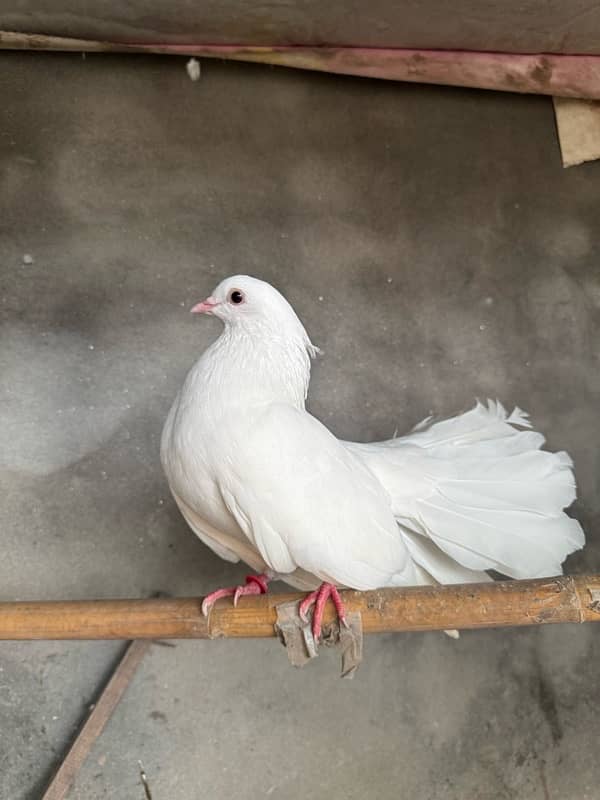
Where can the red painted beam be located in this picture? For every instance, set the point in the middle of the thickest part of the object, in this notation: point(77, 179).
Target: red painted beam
point(559, 75)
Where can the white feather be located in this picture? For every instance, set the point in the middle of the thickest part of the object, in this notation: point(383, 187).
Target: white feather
point(259, 478)
point(482, 491)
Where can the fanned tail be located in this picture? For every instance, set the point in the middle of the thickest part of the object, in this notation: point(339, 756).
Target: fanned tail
point(476, 492)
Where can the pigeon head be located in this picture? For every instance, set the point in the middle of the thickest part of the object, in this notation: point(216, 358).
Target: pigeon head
point(256, 308)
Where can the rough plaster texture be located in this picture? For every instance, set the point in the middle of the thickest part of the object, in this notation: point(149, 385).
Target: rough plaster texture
point(514, 26)
point(437, 251)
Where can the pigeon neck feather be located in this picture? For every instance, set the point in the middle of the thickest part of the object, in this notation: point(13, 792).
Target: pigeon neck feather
point(252, 367)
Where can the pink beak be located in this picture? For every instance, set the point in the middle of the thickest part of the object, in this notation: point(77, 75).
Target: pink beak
point(205, 307)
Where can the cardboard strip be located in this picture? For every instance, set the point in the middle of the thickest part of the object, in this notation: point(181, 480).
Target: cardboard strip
point(302, 648)
point(578, 124)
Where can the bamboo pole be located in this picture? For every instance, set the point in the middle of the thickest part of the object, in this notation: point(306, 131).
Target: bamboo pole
point(486, 605)
point(538, 73)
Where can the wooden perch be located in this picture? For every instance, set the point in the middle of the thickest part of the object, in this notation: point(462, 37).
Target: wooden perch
point(486, 605)
point(538, 73)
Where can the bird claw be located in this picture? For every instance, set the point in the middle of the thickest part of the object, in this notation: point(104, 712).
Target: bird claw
point(303, 606)
point(255, 584)
point(212, 598)
point(318, 599)
point(237, 594)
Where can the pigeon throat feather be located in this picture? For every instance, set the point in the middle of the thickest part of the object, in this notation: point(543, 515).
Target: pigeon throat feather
point(251, 367)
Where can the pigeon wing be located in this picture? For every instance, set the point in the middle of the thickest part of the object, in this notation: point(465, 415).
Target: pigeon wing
point(305, 501)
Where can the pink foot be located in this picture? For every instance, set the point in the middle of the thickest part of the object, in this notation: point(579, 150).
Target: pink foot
point(255, 584)
point(319, 597)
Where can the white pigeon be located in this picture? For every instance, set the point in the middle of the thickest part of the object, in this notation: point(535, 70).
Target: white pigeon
point(260, 479)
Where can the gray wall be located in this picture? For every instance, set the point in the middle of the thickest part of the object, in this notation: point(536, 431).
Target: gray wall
point(527, 26)
point(136, 191)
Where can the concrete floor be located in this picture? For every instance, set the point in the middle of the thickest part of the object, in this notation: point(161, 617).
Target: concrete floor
point(436, 251)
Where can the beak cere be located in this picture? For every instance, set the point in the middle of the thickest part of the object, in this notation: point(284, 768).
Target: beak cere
point(205, 307)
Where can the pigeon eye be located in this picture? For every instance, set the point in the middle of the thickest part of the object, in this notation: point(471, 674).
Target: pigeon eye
point(236, 297)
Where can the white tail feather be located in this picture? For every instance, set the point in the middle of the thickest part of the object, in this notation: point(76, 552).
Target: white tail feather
point(473, 493)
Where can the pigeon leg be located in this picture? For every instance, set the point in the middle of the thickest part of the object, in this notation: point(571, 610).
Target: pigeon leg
point(255, 584)
point(318, 598)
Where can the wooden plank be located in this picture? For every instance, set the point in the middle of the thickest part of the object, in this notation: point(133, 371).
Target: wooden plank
point(487, 605)
point(567, 76)
point(517, 26)
point(94, 725)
